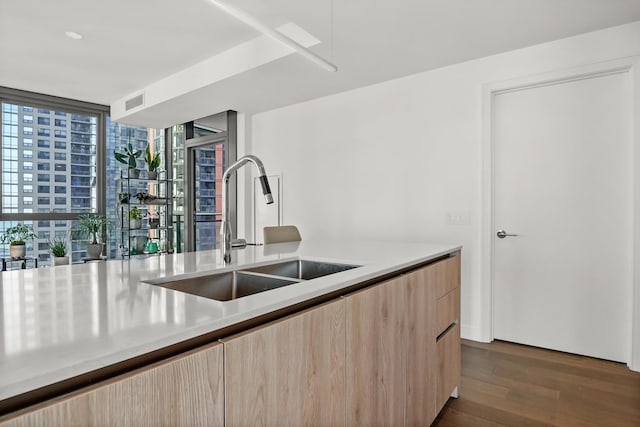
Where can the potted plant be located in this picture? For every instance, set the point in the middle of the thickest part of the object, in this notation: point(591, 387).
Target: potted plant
point(153, 162)
point(123, 197)
point(17, 237)
point(90, 225)
point(129, 158)
point(58, 249)
point(135, 218)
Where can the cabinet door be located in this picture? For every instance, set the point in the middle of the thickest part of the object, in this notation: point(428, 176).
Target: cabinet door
point(376, 349)
point(186, 390)
point(421, 355)
point(447, 276)
point(448, 377)
point(290, 372)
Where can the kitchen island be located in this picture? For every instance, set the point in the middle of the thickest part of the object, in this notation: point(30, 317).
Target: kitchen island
point(69, 331)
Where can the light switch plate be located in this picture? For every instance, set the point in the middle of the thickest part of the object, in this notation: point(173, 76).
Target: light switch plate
point(458, 218)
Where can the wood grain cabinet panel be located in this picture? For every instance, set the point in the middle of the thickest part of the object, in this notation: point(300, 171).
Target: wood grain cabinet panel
point(376, 354)
point(421, 354)
point(182, 391)
point(288, 373)
point(445, 275)
point(448, 372)
point(447, 310)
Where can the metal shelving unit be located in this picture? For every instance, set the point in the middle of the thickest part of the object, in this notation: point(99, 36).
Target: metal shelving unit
point(152, 197)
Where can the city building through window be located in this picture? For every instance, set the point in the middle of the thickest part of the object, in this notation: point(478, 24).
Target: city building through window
point(76, 172)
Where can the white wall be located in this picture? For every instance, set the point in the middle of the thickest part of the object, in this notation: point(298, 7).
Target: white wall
point(390, 161)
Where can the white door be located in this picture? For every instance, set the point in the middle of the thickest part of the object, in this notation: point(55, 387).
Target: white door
point(563, 174)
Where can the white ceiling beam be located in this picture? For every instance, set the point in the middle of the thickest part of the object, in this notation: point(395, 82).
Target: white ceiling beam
point(255, 23)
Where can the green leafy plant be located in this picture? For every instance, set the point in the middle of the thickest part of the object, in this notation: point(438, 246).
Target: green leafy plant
point(135, 213)
point(129, 157)
point(152, 160)
point(58, 247)
point(18, 234)
point(91, 224)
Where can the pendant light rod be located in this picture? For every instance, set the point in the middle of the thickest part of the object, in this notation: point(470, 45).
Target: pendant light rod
point(255, 23)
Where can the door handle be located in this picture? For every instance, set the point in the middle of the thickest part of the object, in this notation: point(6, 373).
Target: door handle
point(502, 234)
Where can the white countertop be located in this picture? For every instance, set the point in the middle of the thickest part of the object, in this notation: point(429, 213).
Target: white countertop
point(60, 322)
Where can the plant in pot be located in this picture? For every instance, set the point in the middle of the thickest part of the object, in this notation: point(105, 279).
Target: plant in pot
point(90, 225)
point(17, 237)
point(58, 248)
point(123, 198)
point(129, 158)
point(153, 162)
point(135, 218)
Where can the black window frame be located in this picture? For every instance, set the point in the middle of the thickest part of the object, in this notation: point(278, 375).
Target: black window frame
point(44, 104)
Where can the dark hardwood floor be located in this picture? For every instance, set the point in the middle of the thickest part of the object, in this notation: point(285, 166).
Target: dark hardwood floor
point(505, 384)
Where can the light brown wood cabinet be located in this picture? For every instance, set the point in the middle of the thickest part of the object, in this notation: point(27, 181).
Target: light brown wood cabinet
point(448, 371)
point(421, 352)
point(185, 390)
point(397, 372)
point(376, 354)
point(447, 330)
point(388, 354)
point(289, 372)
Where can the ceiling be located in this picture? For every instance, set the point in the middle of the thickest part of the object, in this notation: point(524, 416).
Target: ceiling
point(129, 46)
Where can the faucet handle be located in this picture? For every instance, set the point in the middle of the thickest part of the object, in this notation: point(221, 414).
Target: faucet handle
point(238, 243)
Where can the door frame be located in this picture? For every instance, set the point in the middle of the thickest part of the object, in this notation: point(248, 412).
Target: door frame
point(629, 65)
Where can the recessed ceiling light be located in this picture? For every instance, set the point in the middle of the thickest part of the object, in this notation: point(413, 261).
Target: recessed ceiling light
point(73, 35)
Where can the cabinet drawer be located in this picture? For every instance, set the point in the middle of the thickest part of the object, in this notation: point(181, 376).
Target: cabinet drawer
point(447, 275)
point(447, 310)
point(448, 372)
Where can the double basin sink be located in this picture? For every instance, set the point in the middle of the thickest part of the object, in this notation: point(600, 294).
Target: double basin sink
point(231, 285)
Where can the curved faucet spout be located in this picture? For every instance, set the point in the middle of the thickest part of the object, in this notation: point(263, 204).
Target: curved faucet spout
point(225, 228)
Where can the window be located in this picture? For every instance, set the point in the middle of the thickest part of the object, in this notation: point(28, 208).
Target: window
point(83, 179)
point(33, 203)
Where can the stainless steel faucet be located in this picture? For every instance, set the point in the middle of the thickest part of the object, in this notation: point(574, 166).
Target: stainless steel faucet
point(225, 228)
